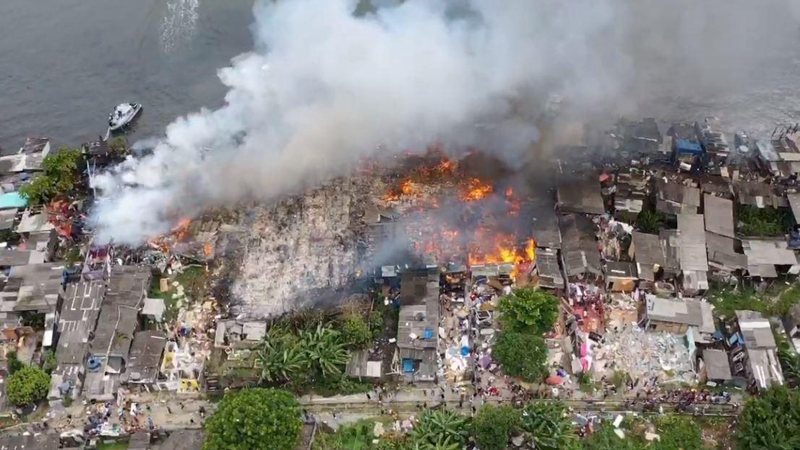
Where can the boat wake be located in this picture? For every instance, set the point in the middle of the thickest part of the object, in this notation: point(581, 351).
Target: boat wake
point(179, 23)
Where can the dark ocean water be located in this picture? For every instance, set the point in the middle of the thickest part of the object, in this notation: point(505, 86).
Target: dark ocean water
point(65, 64)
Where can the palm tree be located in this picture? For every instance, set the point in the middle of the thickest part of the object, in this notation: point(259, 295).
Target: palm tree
point(440, 430)
point(549, 426)
point(324, 349)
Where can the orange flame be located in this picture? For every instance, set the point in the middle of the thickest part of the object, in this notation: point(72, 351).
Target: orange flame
point(476, 190)
point(181, 230)
point(503, 249)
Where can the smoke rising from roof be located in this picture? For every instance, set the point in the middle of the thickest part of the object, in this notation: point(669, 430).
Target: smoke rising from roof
point(325, 88)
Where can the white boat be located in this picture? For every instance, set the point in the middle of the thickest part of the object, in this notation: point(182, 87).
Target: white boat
point(122, 115)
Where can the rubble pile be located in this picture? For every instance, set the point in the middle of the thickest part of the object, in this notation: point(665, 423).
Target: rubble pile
point(643, 355)
point(299, 245)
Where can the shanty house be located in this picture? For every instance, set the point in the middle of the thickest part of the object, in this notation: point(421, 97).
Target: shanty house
point(548, 269)
point(718, 213)
point(675, 197)
point(715, 366)
point(40, 287)
point(758, 194)
point(145, 357)
point(764, 256)
point(579, 248)
point(754, 351)
point(631, 194)
point(545, 229)
point(724, 253)
point(640, 136)
point(418, 329)
point(580, 196)
point(676, 315)
point(692, 253)
point(620, 276)
point(649, 254)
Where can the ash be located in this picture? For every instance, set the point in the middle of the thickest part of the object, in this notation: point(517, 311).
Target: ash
point(300, 251)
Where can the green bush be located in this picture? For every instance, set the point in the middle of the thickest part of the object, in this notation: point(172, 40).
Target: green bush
point(771, 421)
point(27, 385)
point(521, 355)
point(355, 332)
point(254, 419)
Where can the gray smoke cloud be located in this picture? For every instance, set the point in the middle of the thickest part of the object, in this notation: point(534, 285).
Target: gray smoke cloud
point(325, 88)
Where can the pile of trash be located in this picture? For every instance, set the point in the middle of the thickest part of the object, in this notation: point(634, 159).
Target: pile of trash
point(643, 355)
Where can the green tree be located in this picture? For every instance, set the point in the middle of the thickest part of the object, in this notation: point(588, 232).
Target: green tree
point(549, 426)
point(325, 350)
point(254, 419)
point(528, 310)
point(61, 172)
point(440, 429)
point(27, 385)
point(771, 421)
point(678, 432)
point(521, 355)
point(355, 332)
point(493, 426)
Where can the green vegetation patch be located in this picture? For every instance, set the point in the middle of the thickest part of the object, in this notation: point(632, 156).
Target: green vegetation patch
point(768, 221)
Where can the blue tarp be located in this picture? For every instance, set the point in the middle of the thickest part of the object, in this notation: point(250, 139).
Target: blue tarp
point(12, 200)
point(687, 146)
point(427, 334)
point(408, 366)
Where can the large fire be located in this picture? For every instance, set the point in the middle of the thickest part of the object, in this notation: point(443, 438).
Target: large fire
point(455, 233)
point(476, 189)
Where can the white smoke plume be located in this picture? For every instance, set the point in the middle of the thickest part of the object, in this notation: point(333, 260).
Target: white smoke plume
point(324, 88)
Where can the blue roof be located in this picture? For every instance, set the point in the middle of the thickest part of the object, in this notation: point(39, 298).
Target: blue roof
point(12, 200)
point(687, 146)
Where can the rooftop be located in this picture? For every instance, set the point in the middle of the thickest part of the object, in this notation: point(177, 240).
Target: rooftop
point(648, 253)
point(718, 213)
point(7, 218)
point(545, 230)
point(580, 196)
point(145, 356)
point(127, 287)
point(755, 330)
point(34, 223)
point(40, 286)
point(13, 257)
point(12, 200)
point(77, 320)
point(686, 311)
point(717, 365)
point(27, 441)
point(692, 243)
